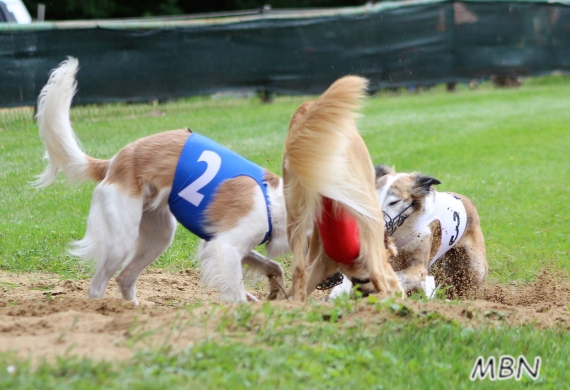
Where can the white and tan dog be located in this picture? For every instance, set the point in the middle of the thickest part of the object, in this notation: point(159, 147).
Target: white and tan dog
point(131, 217)
point(435, 233)
point(329, 187)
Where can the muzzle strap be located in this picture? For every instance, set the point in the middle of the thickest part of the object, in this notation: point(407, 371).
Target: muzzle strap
point(392, 224)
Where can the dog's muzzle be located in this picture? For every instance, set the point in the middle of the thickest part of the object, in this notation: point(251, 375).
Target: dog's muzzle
point(392, 224)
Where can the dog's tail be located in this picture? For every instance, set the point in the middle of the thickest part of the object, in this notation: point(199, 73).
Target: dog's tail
point(63, 152)
point(317, 144)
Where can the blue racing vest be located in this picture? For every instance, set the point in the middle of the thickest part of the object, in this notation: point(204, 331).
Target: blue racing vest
point(202, 167)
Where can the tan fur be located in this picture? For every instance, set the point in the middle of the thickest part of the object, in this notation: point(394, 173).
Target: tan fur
point(230, 203)
point(463, 269)
point(271, 179)
point(325, 156)
point(391, 249)
point(403, 188)
point(148, 161)
point(97, 169)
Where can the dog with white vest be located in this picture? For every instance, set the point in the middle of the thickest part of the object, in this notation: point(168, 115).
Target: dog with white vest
point(231, 203)
point(437, 235)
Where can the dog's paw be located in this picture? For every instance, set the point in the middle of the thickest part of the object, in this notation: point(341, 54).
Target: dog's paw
point(429, 286)
point(251, 298)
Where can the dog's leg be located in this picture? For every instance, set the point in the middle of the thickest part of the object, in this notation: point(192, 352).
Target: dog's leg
point(268, 267)
point(319, 269)
point(112, 231)
point(474, 246)
point(220, 261)
point(416, 261)
point(382, 275)
point(319, 266)
point(156, 233)
point(299, 282)
point(412, 277)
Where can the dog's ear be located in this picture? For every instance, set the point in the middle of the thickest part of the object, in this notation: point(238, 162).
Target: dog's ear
point(422, 185)
point(382, 170)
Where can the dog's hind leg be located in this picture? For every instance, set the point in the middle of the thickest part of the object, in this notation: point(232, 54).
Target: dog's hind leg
point(474, 243)
point(268, 267)
point(297, 232)
point(321, 268)
point(299, 285)
point(464, 267)
point(112, 231)
point(156, 233)
point(319, 265)
point(476, 259)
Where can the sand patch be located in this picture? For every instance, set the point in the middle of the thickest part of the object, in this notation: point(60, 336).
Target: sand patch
point(42, 316)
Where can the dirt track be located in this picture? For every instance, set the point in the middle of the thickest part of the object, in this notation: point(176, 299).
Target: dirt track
point(44, 316)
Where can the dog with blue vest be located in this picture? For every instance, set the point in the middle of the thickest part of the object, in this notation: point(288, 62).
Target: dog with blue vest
point(231, 203)
point(437, 236)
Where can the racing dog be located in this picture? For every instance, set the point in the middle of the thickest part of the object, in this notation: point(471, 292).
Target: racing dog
point(329, 186)
point(231, 203)
point(435, 233)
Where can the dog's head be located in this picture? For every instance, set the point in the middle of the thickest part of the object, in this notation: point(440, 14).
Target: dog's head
point(401, 194)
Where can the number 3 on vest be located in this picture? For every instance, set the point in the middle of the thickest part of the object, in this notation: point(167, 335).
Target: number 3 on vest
point(455, 218)
point(190, 193)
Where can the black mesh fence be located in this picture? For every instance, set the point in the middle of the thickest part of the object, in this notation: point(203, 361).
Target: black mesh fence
point(393, 44)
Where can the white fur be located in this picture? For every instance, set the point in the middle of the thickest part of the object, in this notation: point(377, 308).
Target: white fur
point(136, 229)
point(112, 232)
point(278, 245)
point(382, 193)
point(221, 257)
point(342, 289)
point(63, 151)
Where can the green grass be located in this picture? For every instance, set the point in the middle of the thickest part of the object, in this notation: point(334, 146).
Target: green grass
point(506, 149)
point(267, 347)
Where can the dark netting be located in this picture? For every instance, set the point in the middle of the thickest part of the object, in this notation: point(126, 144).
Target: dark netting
point(422, 44)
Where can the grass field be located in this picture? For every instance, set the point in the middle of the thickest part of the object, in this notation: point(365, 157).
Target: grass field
point(506, 149)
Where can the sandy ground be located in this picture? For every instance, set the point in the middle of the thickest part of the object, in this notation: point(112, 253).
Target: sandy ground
point(43, 316)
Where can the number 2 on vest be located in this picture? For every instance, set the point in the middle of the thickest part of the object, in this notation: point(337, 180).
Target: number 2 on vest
point(190, 193)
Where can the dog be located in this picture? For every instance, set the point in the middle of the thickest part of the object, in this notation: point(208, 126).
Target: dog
point(329, 187)
point(231, 203)
point(435, 233)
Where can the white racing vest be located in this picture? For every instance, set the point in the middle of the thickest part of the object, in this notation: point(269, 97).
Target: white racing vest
point(450, 212)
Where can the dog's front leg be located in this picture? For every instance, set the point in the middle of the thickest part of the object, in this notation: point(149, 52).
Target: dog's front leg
point(220, 261)
point(412, 277)
point(269, 268)
point(417, 261)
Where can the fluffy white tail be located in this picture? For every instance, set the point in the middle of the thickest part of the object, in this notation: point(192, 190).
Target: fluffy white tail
point(63, 151)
